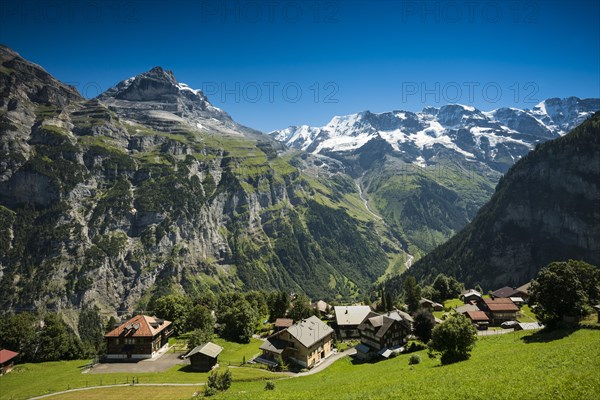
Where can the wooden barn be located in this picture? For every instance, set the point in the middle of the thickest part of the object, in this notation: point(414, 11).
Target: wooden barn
point(205, 357)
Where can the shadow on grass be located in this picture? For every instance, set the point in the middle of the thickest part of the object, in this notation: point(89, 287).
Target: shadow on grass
point(189, 369)
point(548, 335)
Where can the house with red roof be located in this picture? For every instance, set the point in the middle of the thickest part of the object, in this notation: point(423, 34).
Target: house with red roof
point(478, 318)
point(139, 338)
point(499, 310)
point(7, 358)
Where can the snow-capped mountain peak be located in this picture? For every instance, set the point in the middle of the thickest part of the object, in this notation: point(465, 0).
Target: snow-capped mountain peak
point(498, 137)
point(156, 98)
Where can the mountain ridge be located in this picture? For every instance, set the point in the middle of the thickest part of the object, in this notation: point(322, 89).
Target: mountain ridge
point(488, 137)
point(116, 200)
point(545, 209)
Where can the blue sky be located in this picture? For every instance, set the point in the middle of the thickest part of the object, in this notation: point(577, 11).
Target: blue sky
point(271, 64)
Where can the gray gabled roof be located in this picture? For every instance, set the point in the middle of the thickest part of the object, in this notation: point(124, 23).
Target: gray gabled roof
point(350, 315)
point(382, 323)
point(208, 349)
point(309, 331)
point(466, 307)
point(274, 345)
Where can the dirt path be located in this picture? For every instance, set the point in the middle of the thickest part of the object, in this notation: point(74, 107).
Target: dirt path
point(112, 386)
point(326, 363)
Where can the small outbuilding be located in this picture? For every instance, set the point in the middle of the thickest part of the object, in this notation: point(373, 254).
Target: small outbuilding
point(430, 305)
point(471, 295)
point(282, 323)
point(597, 308)
point(7, 358)
point(205, 357)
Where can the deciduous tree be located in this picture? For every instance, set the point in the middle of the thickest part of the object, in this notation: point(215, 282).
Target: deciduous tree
point(453, 339)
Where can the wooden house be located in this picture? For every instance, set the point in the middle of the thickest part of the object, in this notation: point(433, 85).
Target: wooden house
point(305, 343)
point(138, 338)
point(347, 319)
point(430, 305)
point(471, 295)
point(7, 358)
point(282, 323)
point(382, 332)
point(478, 318)
point(499, 310)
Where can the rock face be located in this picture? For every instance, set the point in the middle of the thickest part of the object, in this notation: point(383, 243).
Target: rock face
point(157, 100)
point(149, 189)
point(546, 208)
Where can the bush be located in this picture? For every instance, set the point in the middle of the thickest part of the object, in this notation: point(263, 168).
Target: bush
point(414, 346)
point(414, 359)
point(218, 382)
point(209, 391)
point(270, 385)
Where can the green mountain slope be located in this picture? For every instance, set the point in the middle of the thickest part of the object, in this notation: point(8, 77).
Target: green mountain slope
point(546, 208)
point(113, 201)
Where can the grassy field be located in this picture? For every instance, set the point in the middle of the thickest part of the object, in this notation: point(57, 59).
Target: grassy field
point(141, 392)
point(234, 353)
point(35, 379)
point(520, 365)
point(523, 365)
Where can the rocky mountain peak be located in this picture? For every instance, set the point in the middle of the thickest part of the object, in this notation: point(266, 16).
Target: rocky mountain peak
point(156, 98)
point(24, 81)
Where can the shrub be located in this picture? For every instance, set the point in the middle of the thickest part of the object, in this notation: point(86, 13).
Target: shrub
point(270, 385)
point(218, 382)
point(209, 391)
point(414, 359)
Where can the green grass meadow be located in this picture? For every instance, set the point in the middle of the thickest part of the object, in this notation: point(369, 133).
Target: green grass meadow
point(522, 365)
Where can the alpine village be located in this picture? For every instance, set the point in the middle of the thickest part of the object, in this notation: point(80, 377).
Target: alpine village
point(153, 247)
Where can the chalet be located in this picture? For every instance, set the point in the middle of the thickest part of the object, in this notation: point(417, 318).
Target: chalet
point(322, 307)
point(466, 307)
point(380, 333)
point(471, 295)
point(431, 305)
point(499, 310)
point(523, 291)
point(283, 323)
point(507, 292)
point(305, 343)
point(7, 358)
point(517, 300)
point(139, 338)
point(504, 292)
point(348, 318)
point(478, 318)
point(204, 358)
